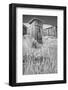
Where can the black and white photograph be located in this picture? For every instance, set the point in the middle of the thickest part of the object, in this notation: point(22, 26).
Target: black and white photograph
point(39, 44)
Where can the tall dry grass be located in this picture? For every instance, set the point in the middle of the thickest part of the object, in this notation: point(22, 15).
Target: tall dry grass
point(41, 60)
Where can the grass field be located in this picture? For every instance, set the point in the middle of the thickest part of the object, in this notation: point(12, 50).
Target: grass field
point(41, 60)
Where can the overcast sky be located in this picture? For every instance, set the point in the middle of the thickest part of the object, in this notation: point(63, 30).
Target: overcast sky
point(51, 20)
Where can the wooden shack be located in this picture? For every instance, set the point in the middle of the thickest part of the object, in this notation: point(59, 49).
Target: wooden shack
point(36, 29)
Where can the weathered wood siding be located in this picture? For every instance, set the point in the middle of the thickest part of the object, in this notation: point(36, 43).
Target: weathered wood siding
point(36, 30)
point(51, 31)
